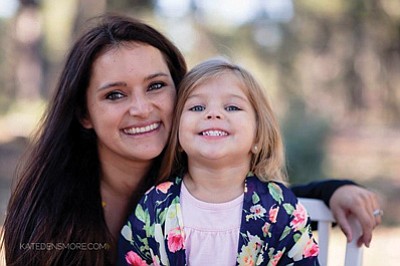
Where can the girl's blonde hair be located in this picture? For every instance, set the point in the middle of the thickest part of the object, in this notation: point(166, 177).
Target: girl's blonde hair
point(269, 162)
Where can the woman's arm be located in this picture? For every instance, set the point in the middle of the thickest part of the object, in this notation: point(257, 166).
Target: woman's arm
point(322, 190)
point(345, 197)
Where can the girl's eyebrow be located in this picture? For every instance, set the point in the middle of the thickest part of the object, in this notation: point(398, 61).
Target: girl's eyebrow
point(240, 97)
point(124, 84)
point(233, 95)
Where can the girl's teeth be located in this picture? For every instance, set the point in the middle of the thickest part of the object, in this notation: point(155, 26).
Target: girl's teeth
point(214, 133)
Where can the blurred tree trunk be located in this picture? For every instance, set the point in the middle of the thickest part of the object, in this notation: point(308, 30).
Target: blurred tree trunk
point(28, 39)
point(86, 10)
point(354, 88)
point(62, 21)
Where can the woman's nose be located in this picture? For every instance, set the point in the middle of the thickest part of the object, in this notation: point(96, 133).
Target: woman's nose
point(140, 106)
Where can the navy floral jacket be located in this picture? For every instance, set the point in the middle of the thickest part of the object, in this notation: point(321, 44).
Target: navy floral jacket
point(275, 228)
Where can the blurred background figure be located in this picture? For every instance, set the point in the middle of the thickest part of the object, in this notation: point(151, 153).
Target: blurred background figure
point(331, 68)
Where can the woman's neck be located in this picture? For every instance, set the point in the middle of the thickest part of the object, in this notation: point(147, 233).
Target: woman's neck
point(119, 181)
point(216, 185)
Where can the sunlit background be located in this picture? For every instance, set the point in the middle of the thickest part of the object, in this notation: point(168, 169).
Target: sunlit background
point(330, 68)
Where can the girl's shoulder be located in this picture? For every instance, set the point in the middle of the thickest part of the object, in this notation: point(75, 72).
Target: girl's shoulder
point(163, 190)
point(277, 191)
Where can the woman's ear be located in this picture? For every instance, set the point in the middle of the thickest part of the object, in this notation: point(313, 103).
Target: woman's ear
point(84, 119)
point(180, 149)
point(86, 123)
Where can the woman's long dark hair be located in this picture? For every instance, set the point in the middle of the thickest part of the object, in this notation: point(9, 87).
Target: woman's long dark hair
point(55, 214)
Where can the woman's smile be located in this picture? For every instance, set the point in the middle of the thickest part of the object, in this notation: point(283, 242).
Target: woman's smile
point(140, 130)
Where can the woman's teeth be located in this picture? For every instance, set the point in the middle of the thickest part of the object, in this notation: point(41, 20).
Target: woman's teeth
point(140, 130)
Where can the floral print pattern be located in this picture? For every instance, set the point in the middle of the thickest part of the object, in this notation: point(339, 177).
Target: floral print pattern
point(176, 239)
point(275, 228)
point(133, 258)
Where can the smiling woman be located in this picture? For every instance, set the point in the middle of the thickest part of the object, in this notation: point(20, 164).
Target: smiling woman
point(131, 113)
point(98, 148)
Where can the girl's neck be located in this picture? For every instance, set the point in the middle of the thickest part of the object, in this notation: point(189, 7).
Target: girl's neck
point(216, 185)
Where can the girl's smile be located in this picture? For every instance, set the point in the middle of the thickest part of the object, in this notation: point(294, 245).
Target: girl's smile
point(214, 133)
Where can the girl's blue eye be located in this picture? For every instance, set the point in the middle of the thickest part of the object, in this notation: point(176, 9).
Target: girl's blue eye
point(156, 86)
point(197, 108)
point(232, 108)
point(114, 95)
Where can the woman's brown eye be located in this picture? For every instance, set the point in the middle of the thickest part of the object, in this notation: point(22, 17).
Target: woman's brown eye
point(114, 95)
point(156, 86)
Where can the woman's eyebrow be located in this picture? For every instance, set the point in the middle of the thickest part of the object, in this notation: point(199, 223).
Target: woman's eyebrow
point(155, 75)
point(112, 84)
point(124, 84)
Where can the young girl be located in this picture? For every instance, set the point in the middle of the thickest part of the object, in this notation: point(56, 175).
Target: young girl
point(228, 204)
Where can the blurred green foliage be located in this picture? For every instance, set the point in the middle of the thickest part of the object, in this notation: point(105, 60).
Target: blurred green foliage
point(304, 136)
point(6, 78)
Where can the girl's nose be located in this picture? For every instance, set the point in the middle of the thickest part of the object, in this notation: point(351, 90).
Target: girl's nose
point(214, 114)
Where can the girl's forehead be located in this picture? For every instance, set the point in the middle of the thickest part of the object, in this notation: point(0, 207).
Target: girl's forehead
point(226, 81)
point(221, 86)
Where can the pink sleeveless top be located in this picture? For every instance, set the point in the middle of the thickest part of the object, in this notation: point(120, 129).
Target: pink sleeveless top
point(211, 229)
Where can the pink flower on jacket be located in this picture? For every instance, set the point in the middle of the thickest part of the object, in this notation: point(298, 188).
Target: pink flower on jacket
point(265, 229)
point(300, 217)
point(176, 239)
point(273, 213)
point(156, 260)
point(311, 249)
point(247, 261)
point(258, 210)
point(163, 187)
point(134, 259)
point(277, 257)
